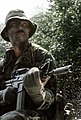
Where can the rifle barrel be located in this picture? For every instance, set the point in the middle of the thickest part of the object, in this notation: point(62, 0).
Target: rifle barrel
point(61, 70)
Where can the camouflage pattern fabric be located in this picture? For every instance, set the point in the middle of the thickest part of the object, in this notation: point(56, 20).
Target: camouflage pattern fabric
point(22, 115)
point(33, 56)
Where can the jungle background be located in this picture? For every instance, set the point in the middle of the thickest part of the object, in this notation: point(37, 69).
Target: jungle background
point(59, 31)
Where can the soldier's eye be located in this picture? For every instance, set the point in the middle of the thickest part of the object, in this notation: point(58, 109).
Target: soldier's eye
point(25, 24)
point(12, 24)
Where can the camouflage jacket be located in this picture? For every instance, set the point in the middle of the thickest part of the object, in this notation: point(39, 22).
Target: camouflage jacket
point(33, 56)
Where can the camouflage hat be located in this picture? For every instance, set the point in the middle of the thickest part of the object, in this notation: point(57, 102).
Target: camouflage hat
point(20, 15)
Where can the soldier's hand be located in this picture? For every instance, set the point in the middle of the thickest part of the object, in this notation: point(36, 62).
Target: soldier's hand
point(32, 79)
point(10, 95)
point(34, 86)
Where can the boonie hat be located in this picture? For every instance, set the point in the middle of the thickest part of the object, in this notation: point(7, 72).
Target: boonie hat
point(20, 15)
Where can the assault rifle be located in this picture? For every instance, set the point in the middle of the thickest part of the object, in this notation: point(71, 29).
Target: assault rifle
point(17, 81)
point(17, 78)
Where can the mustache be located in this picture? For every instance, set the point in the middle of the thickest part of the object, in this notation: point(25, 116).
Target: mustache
point(20, 30)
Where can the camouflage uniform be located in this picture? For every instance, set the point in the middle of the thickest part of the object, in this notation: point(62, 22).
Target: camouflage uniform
point(33, 55)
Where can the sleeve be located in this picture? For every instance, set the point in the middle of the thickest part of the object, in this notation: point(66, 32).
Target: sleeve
point(1, 73)
point(5, 67)
point(50, 82)
point(3, 62)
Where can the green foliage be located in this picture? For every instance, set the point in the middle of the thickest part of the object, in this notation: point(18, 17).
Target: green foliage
point(45, 31)
point(3, 44)
point(59, 31)
point(68, 15)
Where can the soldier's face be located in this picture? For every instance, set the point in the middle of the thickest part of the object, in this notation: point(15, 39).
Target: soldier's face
point(18, 31)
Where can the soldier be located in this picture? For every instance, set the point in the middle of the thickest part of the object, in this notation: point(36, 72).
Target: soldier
point(40, 90)
point(23, 54)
